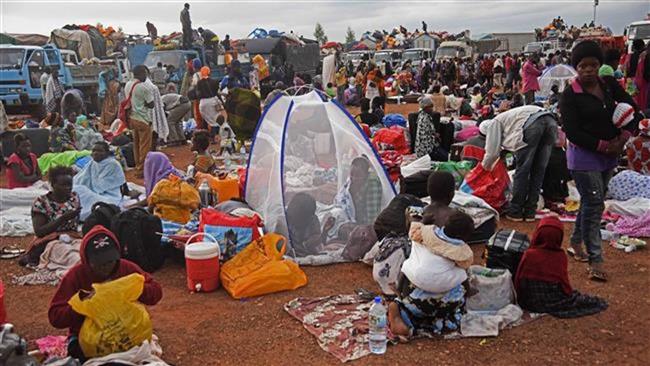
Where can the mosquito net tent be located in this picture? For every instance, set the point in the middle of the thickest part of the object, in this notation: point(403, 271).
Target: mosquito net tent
point(315, 178)
point(560, 75)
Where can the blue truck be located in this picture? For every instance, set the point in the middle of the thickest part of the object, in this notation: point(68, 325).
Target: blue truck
point(178, 59)
point(21, 68)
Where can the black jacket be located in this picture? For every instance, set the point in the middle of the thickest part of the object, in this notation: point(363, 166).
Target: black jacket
point(586, 119)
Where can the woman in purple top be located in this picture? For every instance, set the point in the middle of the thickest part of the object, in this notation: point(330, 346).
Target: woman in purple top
point(594, 146)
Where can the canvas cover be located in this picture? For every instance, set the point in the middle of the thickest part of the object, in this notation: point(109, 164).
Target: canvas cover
point(560, 75)
point(76, 40)
point(305, 145)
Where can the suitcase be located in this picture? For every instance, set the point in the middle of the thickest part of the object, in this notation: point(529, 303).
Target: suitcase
point(456, 151)
point(505, 249)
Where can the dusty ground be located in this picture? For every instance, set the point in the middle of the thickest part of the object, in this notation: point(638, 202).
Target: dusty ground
point(210, 329)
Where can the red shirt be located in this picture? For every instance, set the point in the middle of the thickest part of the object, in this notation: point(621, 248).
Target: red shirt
point(12, 179)
point(509, 63)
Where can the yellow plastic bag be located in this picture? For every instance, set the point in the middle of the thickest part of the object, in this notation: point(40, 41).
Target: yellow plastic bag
point(115, 320)
point(259, 269)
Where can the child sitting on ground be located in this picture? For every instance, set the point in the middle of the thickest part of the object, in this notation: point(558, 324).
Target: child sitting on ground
point(203, 161)
point(433, 285)
point(100, 262)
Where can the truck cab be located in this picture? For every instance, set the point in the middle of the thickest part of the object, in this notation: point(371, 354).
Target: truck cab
point(416, 55)
point(638, 30)
point(21, 68)
point(453, 49)
point(392, 56)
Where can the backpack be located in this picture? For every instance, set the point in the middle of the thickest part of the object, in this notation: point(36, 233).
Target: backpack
point(102, 213)
point(392, 219)
point(125, 106)
point(139, 234)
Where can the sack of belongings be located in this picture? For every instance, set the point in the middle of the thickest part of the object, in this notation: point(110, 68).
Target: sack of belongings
point(259, 269)
point(494, 289)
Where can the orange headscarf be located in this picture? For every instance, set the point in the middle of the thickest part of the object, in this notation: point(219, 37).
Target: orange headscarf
point(205, 72)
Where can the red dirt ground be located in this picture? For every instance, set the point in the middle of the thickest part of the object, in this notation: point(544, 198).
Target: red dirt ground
point(210, 329)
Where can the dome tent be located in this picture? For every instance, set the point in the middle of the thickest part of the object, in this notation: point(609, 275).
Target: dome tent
point(304, 148)
point(560, 75)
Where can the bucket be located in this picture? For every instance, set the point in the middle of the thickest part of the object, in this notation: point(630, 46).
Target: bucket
point(3, 313)
point(202, 264)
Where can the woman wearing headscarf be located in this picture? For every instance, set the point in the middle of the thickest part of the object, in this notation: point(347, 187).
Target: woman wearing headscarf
point(157, 166)
point(594, 147)
point(542, 279)
point(210, 104)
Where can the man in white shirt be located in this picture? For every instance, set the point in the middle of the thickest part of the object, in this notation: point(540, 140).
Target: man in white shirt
point(529, 132)
point(140, 116)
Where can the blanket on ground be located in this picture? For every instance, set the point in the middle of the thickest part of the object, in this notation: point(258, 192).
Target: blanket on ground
point(340, 323)
point(55, 261)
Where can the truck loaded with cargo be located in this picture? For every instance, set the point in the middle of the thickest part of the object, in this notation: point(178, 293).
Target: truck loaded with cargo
point(21, 68)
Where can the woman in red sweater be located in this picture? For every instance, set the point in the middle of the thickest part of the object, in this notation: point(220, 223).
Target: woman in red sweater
point(99, 263)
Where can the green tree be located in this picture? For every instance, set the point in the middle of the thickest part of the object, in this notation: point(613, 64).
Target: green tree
point(319, 34)
point(350, 36)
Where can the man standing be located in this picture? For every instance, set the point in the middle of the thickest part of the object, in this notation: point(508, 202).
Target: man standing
point(226, 43)
point(510, 71)
point(45, 76)
point(530, 73)
point(529, 132)
point(152, 31)
point(140, 116)
point(186, 22)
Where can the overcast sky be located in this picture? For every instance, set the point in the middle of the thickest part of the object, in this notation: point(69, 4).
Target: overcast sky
point(238, 18)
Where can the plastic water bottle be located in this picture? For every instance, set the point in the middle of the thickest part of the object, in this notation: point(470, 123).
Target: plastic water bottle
point(226, 160)
point(377, 325)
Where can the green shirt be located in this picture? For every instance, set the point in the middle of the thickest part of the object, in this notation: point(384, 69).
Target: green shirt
point(141, 96)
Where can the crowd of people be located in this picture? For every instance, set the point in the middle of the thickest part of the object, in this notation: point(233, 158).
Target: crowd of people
point(496, 93)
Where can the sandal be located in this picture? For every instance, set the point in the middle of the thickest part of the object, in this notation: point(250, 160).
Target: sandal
point(582, 258)
point(597, 275)
point(11, 252)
